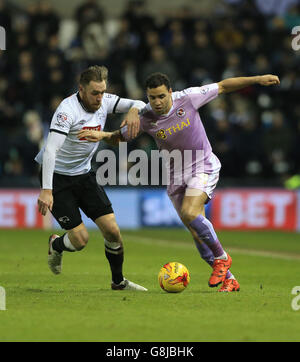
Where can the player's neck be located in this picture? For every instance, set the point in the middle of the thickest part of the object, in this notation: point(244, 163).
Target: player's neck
point(80, 100)
point(169, 108)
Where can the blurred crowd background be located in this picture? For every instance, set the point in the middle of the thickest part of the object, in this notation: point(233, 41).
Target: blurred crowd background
point(255, 132)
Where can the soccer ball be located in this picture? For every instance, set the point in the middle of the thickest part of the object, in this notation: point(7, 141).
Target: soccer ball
point(173, 277)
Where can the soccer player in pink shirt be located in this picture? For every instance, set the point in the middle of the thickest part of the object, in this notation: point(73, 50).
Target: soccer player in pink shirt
point(173, 120)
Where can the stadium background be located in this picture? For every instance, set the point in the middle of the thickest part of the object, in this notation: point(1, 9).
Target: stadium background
point(254, 132)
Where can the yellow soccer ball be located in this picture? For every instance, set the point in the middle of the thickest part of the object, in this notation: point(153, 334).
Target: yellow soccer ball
point(173, 277)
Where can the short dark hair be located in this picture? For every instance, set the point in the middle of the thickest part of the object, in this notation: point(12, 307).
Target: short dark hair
point(96, 73)
point(155, 80)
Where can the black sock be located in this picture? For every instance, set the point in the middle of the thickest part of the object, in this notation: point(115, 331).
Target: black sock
point(59, 245)
point(116, 265)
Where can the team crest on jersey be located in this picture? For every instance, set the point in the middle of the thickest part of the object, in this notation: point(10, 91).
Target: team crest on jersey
point(82, 122)
point(180, 112)
point(161, 134)
point(64, 219)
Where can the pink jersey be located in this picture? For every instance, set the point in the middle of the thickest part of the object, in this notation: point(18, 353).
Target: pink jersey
point(182, 130)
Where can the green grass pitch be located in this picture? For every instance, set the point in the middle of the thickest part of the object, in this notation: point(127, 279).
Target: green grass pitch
point(79, 305)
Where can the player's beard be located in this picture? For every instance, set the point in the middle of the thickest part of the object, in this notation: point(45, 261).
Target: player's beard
point(88, 106)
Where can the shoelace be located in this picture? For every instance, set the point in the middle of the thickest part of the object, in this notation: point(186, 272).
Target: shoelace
point(218, 269)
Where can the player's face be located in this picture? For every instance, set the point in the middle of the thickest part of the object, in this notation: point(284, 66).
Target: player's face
point(92, 95)
point(160, 99)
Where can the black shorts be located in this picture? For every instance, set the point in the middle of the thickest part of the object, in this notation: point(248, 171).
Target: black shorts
point(71, 193)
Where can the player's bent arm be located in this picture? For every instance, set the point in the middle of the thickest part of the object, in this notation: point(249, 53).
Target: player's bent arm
point(233, 84)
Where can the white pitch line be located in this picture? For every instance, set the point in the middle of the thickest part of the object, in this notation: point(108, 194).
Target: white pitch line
point(190, 245)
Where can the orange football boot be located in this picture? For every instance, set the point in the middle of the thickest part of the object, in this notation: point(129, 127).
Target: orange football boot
point(230, 285)
point(220, 268)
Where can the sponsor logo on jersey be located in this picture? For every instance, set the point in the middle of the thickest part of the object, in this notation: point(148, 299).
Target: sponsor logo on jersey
point(164, 133)
point(96, 128)
point(161, 134)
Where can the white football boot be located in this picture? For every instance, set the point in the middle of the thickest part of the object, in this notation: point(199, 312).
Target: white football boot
point(127, 285)
point(54, 257)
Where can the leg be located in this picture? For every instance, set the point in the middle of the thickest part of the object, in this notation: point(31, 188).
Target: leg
point(115, 253)
point(94, 202)
point(193, 216)
point(73, 240)
point(68, 216)
point(113, 245)
point(203, 250)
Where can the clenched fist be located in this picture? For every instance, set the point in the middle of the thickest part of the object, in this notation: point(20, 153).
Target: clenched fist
point(268, 79)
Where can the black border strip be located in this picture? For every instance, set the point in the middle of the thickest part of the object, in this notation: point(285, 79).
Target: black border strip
point(116, 104)
point(57, 131)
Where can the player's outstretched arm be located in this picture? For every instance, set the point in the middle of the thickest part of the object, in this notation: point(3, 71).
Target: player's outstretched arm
point(112, 138)
point(233, 84)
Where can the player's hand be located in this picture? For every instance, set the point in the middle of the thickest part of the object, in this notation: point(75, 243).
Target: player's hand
point(90, 135)
point(132, 120)
point(268, 79)
point(45, 201)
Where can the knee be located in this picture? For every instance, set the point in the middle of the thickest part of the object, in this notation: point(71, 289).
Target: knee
point(112, 234)
point(187, 216)
point(80, 239)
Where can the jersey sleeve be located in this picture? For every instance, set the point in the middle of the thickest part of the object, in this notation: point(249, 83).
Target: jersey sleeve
point(110, 102)
point(125, 104)
point(124, 133)
point(199, 96)
point(53, 144)
point(115, 104)
point(62, 120)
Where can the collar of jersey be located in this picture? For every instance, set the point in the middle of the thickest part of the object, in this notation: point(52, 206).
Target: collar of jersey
point(81, 103)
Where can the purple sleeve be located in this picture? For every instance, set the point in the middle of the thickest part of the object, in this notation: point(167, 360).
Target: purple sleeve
point(124, 133)
point(199, 96)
